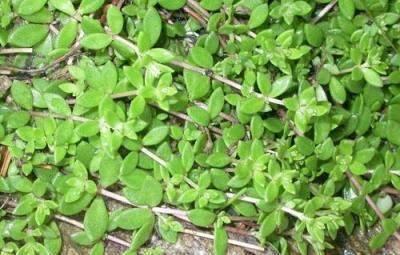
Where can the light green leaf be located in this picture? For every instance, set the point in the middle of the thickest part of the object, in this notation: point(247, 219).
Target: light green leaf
point(199, 115)
point(22, 95)
point(89, 6)
point(152, 25)
point(372, 77)
point(258, 16)
point(161, 55)
point(280, 86)
point(28, 7)
point(96, 41)
point(201, 217)
point(347, 8)
point(172, 5)
point(197, 85)
point(155, 136)
point(218, 159)
point(216, 103)
point(337, 90)
point(96, 220)
point(220, 241)
point(28, 35)
point(65, 6)
point(67, 35)
point(57, 104)
point(115, 20)
point(133, 218)
point(201, 57)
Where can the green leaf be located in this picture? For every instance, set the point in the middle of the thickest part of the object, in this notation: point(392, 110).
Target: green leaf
point(142, 235)
point(304, 145)
point(147, 191)
point(63, 132)
point(268, 225)
point(82, 238)
point(365, 155)
point(22, 95)
point(220, 241)
point(114, 19)
point(161, 55)
point(372, 77)
point(98, 249)
point(252, 105)
point(280, 86)
point(155, 136)
point(152, 25)
point(136, 107)
point(88, 129)
point(211, 5)
point(216, 103)
point(188, 196)
point(187, 156)
point(197, 85)
point(96, 41)
point(358, 168)
point(201, 57)
point(109, 170)
point(57, 104)
point(337, 91)
point(65, 6)
point(28, 35)
point(96, 220)
point(347, 8)
point(89, 6)
point(218, 159)
point(314, 35)
point(90, 98)
point(133, 218)
point(258, 16)
point(28, 7)
point(392, 132)
point(199, 115)
point(172, 5)
point(201, 217)
point(67, 35)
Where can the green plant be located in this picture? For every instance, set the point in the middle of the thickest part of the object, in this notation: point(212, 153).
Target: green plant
point(282, 120)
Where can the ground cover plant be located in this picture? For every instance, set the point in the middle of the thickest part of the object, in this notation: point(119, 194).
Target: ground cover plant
point(281, 115)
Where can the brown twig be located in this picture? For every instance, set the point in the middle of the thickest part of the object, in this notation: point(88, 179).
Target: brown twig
point(195, 5)
point(194, 15)
point(6, 156)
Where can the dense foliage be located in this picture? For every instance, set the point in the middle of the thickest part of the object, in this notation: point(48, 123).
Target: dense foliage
point(284, 112)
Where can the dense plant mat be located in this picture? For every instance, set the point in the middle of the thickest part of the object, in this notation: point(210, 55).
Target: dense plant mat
point(278, 120)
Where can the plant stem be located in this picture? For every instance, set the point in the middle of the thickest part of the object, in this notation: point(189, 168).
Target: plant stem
point(194, 4)
point(81, 226)
point(15, 50)
point(324, 11)
point(230, 241)
point(58, 116)
point(124, 200)
point(195, 16)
